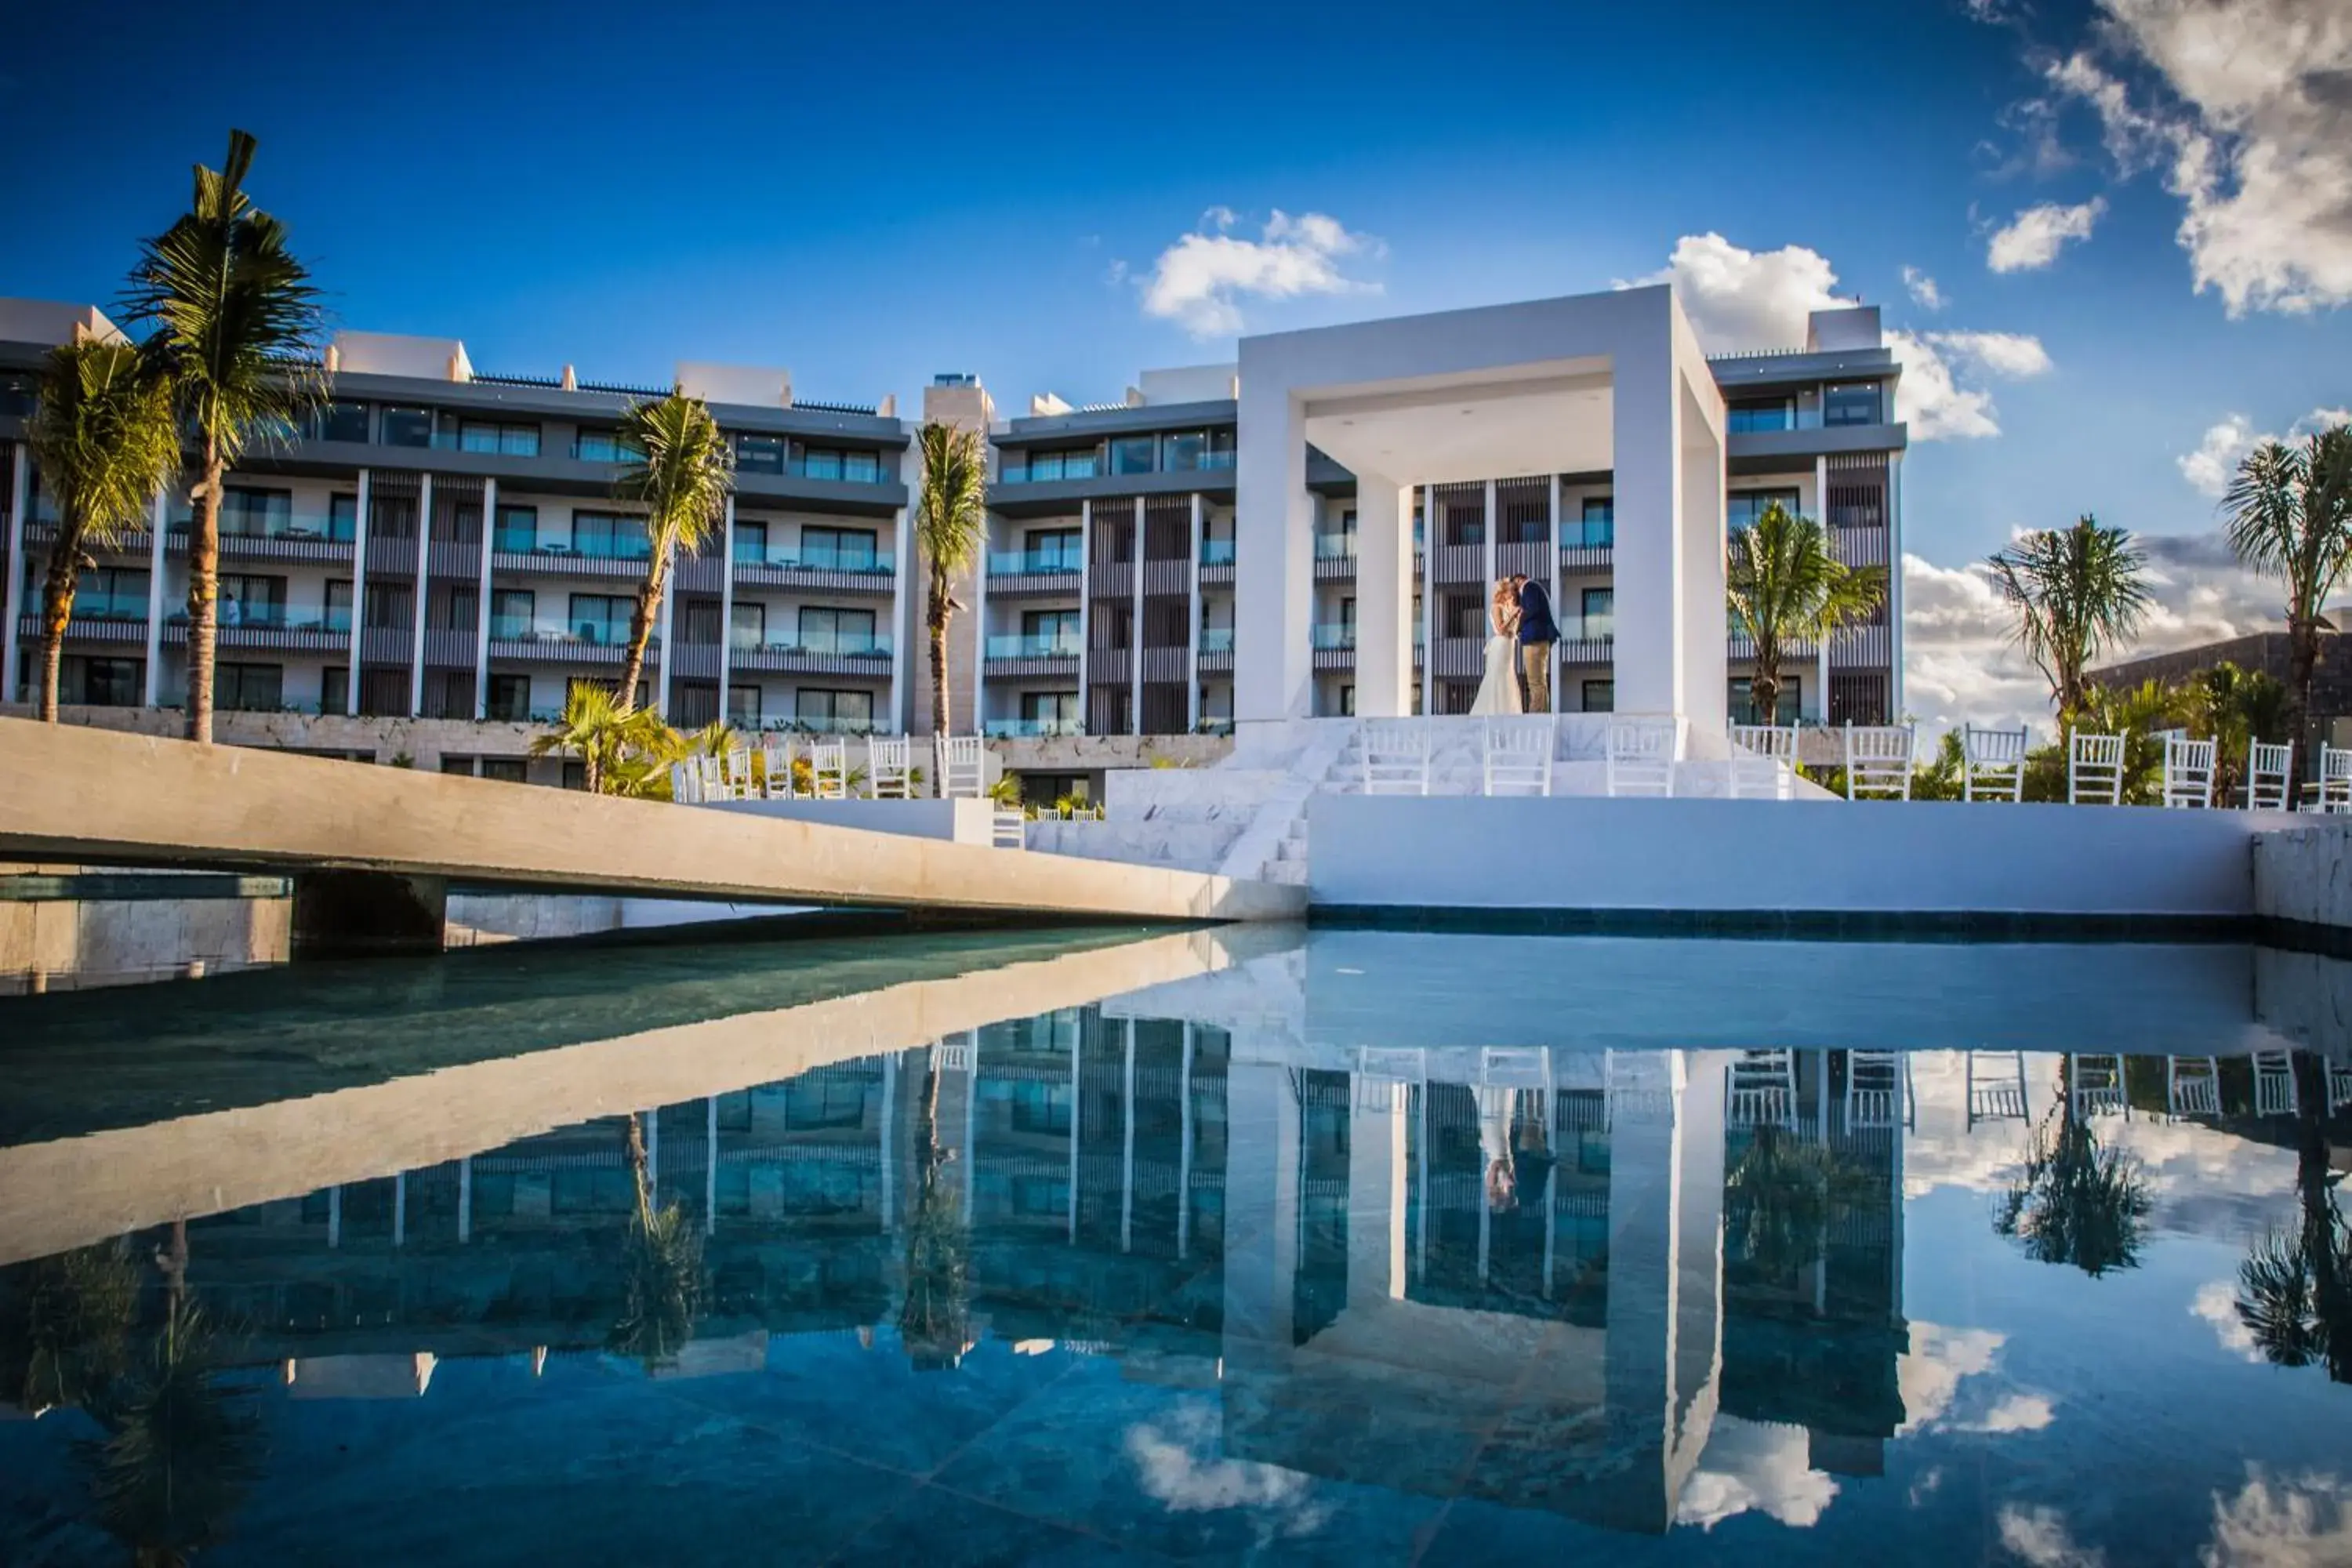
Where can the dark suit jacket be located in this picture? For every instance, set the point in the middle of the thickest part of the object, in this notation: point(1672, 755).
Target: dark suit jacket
point(1535, 624)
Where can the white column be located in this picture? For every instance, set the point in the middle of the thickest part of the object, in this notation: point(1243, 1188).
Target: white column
point(482, 601)
point(902, 615)
point(466, 1199)
point(1428, 589)
point(979, 628)
point(424, 549)
point(1384, 597)
point(1822, 654)
point(669, 661)
point(1894, 704)
point(1193, 634)
point(1135, 640)
point(726, 618)
point(12, 596)
point(1077, 1095)
point(158, 557)
point(710, 1158)
point(1552, 567)
point(1127, 1148)
point(400, 1208)
point(1184, 1151)
point(358, 598)
point(1493, 544)
point(335, 1216)
point(887, 1154)
point(1667, 454)
point(1274, 529)
point(1085, 612)
point(1376, 1190)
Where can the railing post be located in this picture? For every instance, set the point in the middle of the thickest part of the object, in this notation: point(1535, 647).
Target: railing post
point(359, 601)
point(158, 556)
point(424, 592)
point(482, 601)
point(1192, 625)
point(20, 494)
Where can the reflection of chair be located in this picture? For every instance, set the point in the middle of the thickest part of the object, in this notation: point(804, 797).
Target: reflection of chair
point(2192, 1086)
point(2188, 773)
point(889, 764)
point(2094, 770)
point(1518, 755)
point(2096, 1082)
point(1992, 763)
point(1383, 1071)
point(1516, 1067)
point(829, 770)
point(1996, 1085)
point(956, 1053)
point(2274, 1091)
point(1762, 1090)
point(2269, 777)
point(1878, 761)
point(1873, 1088)
point(1761, 758)
point(1641, 752)
point(2340, 1087)
point(1396, 757)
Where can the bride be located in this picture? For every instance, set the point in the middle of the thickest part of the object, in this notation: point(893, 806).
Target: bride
point(1500, 691)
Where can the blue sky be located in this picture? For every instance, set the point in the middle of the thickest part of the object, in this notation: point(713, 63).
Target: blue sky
point(869, 196)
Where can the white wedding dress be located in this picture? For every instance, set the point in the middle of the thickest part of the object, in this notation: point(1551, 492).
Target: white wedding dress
point(1500, 691)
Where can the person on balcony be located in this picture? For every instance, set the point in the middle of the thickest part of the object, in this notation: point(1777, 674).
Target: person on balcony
point(1499, 692)
point(1537, 634)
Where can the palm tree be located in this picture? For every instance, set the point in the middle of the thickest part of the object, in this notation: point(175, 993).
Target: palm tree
point(622, 751)
point(235, 335)
point(2289, 515)
point(683, 481)
point(1785, 586)
point(2075, 1202)
point(1779, 1199)
point(65, 1326)
point(104, 439)
point(663, 1264)
point(2077, 594)
point(2294, 1288)
point(950, 520)
point(181, 1448)
point(934, 1315)
point(2236, 707)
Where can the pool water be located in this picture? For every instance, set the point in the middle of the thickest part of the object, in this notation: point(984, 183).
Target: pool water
point(1284, 1247)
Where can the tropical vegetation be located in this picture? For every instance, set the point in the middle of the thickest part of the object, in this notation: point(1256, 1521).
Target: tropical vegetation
point(103, 435)
point(235, 328)
point(2078, 593)
point(2075, 1201)
point(1786, 586)
point(683, 478)
point(2288, 514)
point(2295, 1287)
point(935, 1305)
point(663, 1282)
point(951, 521)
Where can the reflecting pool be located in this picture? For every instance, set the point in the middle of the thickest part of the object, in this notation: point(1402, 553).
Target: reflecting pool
point(1227, 1245)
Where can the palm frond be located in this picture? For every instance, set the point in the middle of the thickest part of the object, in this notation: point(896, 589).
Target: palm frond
point(103, 435)
point(685, 475)
point(181, 1448)
point(951, 511)
point(1784, 585)
point(2075, 1201)
point(2078, 593)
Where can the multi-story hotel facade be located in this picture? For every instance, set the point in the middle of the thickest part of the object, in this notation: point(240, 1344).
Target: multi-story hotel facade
point(450, 536)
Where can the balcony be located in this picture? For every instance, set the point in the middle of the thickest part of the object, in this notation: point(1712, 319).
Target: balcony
point(514, 639)
point(820, 724)
point(515, 552)
point(818, 567)
point(269, 627)
point(863, 654)
point(114, 630)
point(1335, 557)
point(1216, 563)
point(1032, 728)
point(1334, 646)
point(1043, 645)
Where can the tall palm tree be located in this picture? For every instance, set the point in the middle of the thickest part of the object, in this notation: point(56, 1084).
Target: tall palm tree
point(2236, 707)
point(236, 333)
point(2077, 593)
point(950, 520)
point(1785, 586)
point(2075, 1202)
point(181, 1448)
point(104, 439)
point(935, 1313)
point(682, 481)
point(2294, 1288)
point(2288, 514)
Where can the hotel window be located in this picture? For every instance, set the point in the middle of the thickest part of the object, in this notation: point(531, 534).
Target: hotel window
point(1748, 415)
point(1599, 697)
point(518, 530)
point(610, 536)
point(100, 593)
point(249, 688)
point(17, 395)
point(1055, 549)
point(820, 709)
point(852, 465)
point(750, 544)
point(1742, 508)
point(1786, 706)
point(862, 466)
point(760, 454)
point(504, 770)
point(405, 425)
point(605, 446)
point(748, 628)
point(343, 518)
point(1600, 522)
point(450, 607)
point(337, 422)
point(847, 634)
point(743, 706)
point(252, 601)
point(1599, 606)
point(838, 550)
point(1074, 463)
point(513, 615)
point(388, 604)
point(337, 618)
point(1131, 455)
point(101, 683)
point(600, 618)
point(509, 698)
point(255, 514)
point(1050, 707)
point(507, 441)
point(1051, 631)
point(1185, 449)
point(1851, 403)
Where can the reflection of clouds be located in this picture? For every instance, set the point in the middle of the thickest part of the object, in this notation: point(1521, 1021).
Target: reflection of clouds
point(1929, 1374)
point(2017, 1412)
point(2216, 1301)
point(2039, 1536)
point(1175, 1463)
point(1755, 1465)
point(2301, 1521)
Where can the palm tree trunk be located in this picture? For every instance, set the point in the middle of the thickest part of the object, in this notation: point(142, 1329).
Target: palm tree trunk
point(204, 596)
point(2301, 661)
point(641, 631)
point(1764, 688)
point(937, 621)
point(57, 610)
point(640, 1171)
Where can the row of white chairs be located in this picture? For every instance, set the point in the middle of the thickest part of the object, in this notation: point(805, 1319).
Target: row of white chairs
point(1878, 762)
point(889, 771)
point(1515, 755)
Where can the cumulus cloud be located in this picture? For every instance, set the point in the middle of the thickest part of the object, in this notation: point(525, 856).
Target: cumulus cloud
point(1176, 1463)
point(1201, 280)
point(2216, 1303)
point(1923, 289)
point(2245, 111)
point(2039, 1536)
point(2033, 238)
point(1929, 1374)
point(1757, 1466)
point(2017, 1413)
point(1739, 299)
point(2275, 1524)
point(2211, 467)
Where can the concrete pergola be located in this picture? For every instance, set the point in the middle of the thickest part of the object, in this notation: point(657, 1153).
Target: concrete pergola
point(1611, 382)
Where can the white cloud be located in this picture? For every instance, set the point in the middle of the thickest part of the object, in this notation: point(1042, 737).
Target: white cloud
point(2033, 237)
point(2039, 1536)
point(2017, 1413)
point(2214, 464)
point(2282, 1524)
point(1201, 280)
point(2246, 108)
point(1924, 291)
point(2216, 1301)
point(1929, 1374)
point(1755, 1466)
point(2016, 355)
point(1930, 399)
point(1176, 1462)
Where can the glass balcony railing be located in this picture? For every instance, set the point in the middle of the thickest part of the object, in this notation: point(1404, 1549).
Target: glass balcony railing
point(513, 629)
point(1217, 553)
point(1216, 640)
point(823, 644)
point(1342, 636)
point(1335, 547)
point(813, 558)
point(824, 724)
point(1033, 729)
point(1024, 563)
point(1589, 628)
point(1047, 645)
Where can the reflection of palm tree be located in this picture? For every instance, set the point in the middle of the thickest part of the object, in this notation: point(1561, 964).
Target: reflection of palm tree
point(2076, 1202)
point(663, 1261)
point(1779, 1198)
point(181, 1448)
point(64, 1323)
point(2294, 1288)
point(935, 1312)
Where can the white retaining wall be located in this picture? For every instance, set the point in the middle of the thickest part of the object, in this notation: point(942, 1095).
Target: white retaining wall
point(2305, 873)
point(1893, 858)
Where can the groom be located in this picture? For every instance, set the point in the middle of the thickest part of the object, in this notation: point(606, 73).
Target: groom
point(1538, 632)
